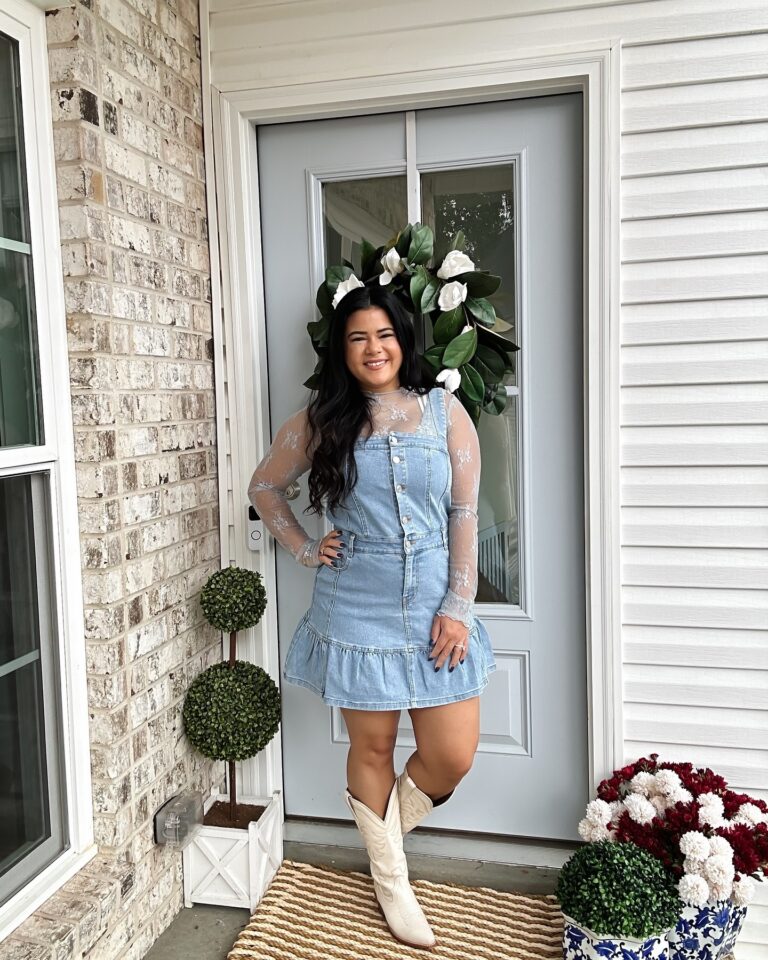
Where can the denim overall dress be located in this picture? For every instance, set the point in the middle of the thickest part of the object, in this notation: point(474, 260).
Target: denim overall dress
point(364, 643)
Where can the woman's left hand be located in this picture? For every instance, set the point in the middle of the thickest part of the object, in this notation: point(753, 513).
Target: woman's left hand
point(450, 641)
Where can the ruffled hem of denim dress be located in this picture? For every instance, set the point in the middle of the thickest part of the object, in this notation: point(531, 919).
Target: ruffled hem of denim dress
point(331, 669)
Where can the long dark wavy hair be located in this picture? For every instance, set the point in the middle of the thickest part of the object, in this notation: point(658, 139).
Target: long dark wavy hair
point(339, 409)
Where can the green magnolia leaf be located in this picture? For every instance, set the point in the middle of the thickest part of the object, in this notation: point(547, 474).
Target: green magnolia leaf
point(430, 295)
point(419, 282)
point(448, 326)
point(489, 377)
point(421, 246)
point(492, 360)
point(498, 401)
point(367, 259)
point(319, 329)
point(403, 241)
point(334, 276)
point(460, 349)
point(458, 242)
point(479, 284)
point(434, 357)
point(324, 300)
point(482, 310)
point(472, 383)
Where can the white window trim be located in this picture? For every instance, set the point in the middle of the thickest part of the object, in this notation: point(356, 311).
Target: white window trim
point(25, 22)
point(230, 120)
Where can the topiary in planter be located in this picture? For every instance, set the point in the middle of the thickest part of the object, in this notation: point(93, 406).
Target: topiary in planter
point(618, 889)
point(232, 709)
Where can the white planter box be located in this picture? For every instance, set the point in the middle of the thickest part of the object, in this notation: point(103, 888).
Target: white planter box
point(233, 868)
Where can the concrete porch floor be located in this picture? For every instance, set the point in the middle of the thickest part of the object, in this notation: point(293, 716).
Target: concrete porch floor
point(208, 933)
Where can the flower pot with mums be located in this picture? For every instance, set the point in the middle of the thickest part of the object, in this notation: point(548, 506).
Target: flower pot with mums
point(712, 840)
point(619, 903)
point(231, 712)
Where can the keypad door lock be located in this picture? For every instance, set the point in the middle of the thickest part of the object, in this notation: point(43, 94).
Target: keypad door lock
point(255, 530)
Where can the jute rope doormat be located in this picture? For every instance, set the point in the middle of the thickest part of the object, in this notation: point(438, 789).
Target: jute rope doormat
point(320, 913)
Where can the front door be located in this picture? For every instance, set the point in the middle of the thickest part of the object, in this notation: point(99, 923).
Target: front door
point(509, 175)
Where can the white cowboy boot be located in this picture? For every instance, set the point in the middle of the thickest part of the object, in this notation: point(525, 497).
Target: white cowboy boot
point(414, 803)
point(389, 869)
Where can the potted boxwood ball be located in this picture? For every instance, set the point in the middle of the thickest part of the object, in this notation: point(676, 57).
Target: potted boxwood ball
point(231, 712)
point(618, 902)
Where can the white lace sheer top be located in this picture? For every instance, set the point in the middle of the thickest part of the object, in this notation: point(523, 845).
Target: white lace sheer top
point(288, 458)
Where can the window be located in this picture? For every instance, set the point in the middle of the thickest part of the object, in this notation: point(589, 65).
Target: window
point(42, 832)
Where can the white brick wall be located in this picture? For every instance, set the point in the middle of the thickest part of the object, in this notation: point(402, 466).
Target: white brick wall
point(126, 103)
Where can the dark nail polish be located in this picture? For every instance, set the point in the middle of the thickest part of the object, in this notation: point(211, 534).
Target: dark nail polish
point(462, 661)
point(338, 554)
point(450, 669)
point(436, 669)
point(343, 544)
point(334, 563)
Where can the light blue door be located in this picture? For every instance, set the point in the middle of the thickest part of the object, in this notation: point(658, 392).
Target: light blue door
point(509, 174)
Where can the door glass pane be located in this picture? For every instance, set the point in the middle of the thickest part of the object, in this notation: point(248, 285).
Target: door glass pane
point(30, 791)
point(480, 201)
point(374, 208)
point(19, 379)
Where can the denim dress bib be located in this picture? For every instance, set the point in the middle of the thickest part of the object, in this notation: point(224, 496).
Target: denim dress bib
point(364, 643)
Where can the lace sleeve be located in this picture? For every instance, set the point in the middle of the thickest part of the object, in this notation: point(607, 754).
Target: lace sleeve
point(464, 449)
point(285, 460)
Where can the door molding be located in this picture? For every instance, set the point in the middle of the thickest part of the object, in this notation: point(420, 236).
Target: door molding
point(239, 319)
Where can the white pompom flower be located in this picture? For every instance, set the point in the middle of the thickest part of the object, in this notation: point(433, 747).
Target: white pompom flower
point(695, 845)
point(659, 803)
point(640, 809)
point(344, 287)
point(711, 810)
point(393, 264)
point(744, 891)
point(598, 811)
point(451, 378)
point(668, 782)
point(719, 870)
point(693, 866)
point(455, 263)
point(681, 796)
point(749, 814)
point(719, 846)
point(452, 295)
point(644, 783)
point(693, 890)
point(593, 832)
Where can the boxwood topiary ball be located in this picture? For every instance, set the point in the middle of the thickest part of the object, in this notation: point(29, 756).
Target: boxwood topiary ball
point(232, 712)
point(234, 599)
point(618, 889)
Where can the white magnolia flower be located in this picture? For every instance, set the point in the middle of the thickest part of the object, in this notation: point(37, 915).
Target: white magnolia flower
point(345, 286)
point(693, 890)
point(693, 866)
point(719, 846)
point(599, 812)
point(451, 377)
point(455, 263)
point(744, 891)
point(640, 809)
point(644, 783)
point(452, 295)
point(695, 845)
point(749, 814)
point(393, 264)
point(668, 782)
point(592, 832)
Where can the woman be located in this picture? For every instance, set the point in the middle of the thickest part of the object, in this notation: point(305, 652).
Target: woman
point(391, 623)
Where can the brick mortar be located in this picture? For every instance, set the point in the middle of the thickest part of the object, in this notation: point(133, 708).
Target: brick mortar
point(126, 100)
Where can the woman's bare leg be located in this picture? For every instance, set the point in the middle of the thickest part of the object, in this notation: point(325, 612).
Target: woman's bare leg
point(370, 763)
point(446, 742)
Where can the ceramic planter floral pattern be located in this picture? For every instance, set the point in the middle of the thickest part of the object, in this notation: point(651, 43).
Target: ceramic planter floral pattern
point(582, 944)
point(706, 933)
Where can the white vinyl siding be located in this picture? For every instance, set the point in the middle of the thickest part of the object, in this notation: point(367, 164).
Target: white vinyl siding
point(694, 321)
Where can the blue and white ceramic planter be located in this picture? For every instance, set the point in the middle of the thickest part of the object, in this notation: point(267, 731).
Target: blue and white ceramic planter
point(706, 933)
point(579, 943)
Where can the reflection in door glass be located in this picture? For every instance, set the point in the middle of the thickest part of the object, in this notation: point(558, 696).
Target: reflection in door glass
point(374, 208)
point(480, 201)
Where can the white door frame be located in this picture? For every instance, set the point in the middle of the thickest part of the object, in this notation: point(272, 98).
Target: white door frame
point(232, 165)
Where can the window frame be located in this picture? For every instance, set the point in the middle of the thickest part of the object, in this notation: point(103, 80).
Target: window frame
point(25, 23)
